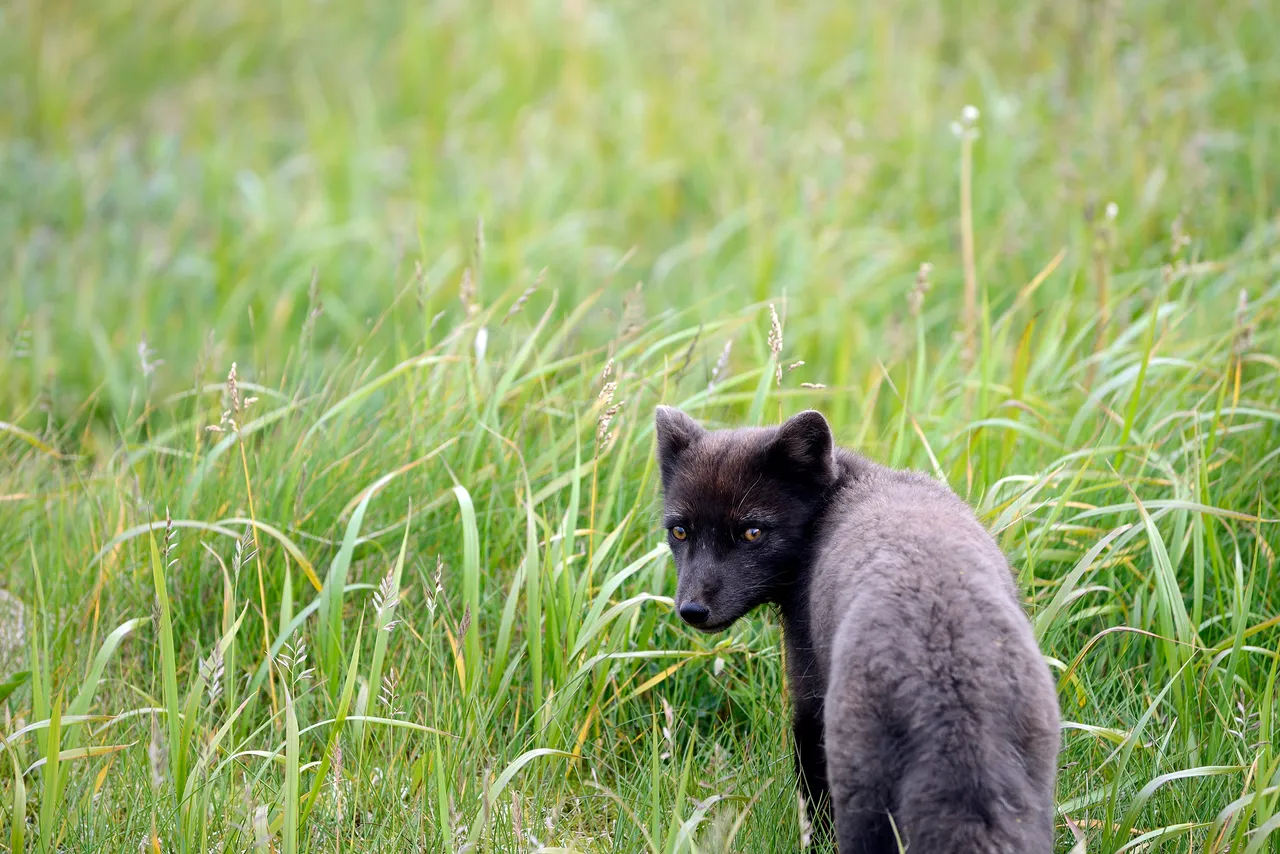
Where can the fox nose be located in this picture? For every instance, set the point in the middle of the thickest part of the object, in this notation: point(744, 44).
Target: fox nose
point(694, 614)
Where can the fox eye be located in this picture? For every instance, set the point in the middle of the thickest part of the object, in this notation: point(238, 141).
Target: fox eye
point(752, 534)
point(679, 533)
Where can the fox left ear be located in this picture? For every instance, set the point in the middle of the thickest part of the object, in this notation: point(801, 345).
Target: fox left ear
point(804, 445)
point(676, 433)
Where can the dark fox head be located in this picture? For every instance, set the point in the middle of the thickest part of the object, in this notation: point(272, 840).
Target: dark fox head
point(739, 506)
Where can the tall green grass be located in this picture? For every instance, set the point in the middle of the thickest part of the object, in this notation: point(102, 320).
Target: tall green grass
point(426, 269)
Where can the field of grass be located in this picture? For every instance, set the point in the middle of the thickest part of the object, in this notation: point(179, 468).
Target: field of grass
point(330, 335)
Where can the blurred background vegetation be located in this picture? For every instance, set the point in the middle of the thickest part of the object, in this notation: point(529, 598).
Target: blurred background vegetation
point(422, 231)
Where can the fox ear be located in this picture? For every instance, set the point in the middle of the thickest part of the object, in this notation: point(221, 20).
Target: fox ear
point(804, 446)
point(676, 432)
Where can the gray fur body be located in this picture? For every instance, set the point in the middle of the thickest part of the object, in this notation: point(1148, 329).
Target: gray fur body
point(918, 689)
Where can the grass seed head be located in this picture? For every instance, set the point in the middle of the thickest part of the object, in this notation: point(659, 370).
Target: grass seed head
point(387, 695)
point(157, 754)
point(434, 595)
point(721, 364)
point(335, 781)
point(315, 307)
point(524, 297)
point(233, 389)
point(13, 632)
point(468, 295)
point(966, 127)
point(465, 625)
point(775, 340)
point(802, 814)
point(633, 310)
point(386, 598)
point(261, 829)
point(915, 300)
point(1243, 340)
point(244, 551)
point(689, 351)
point(235, 403)
point(211, 670)
point(147, 360)
point(603, 435)
point(1179, 239)
point(170, 541)
point(517, 825)
point(292, 659)
point(22, 340)
point(610, 410)
point(668, 728)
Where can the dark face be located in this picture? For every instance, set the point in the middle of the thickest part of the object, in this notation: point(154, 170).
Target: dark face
point(738, 508)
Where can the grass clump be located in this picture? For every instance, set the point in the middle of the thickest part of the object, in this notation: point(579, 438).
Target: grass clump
point(330, 336)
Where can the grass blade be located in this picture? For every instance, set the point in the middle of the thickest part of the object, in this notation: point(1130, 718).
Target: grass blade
point(470, 582)
point(329, 627)
point(51, 801)
point(291, 775)
point(169, 674)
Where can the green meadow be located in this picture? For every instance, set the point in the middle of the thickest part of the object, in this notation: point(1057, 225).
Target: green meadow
point(331, 332)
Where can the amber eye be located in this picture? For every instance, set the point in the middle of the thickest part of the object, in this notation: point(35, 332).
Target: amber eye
point(751, 534)
point(679, 533)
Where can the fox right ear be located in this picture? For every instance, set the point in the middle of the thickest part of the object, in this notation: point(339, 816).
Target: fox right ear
point(804, 446)
point(676, 432)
